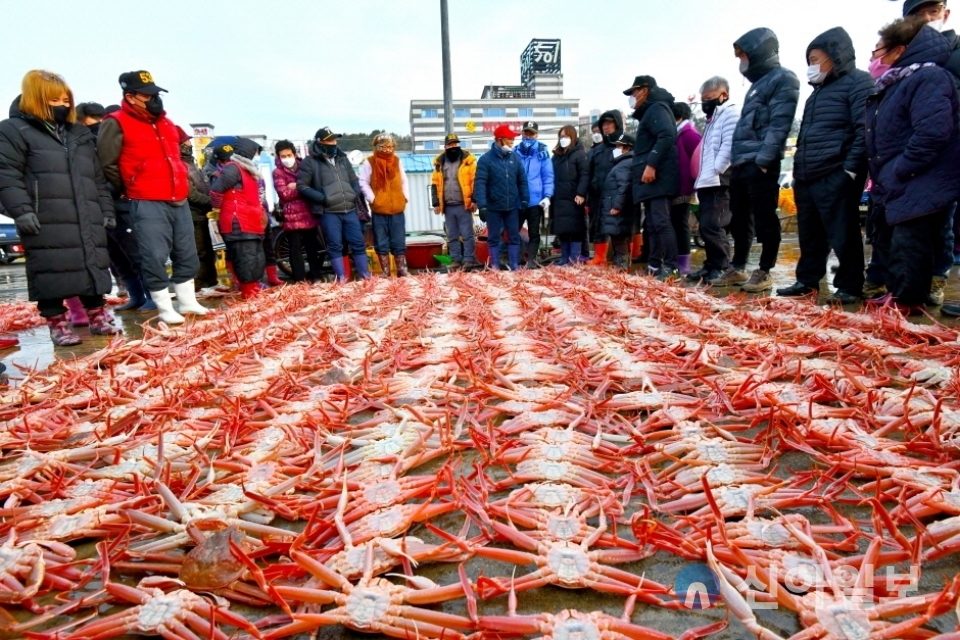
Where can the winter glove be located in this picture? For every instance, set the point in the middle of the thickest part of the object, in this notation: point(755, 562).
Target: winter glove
point(545, 203)
point(483, 215)
point(214, 215)
point(524, 205)
point(28, 225)
point(109, 223)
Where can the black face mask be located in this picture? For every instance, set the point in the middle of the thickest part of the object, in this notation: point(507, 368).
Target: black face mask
point(154, 106)
point(60, 114)
point(329, 149)
point(710, 106)
point(453, 154)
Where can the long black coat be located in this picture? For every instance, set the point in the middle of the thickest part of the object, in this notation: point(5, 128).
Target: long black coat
point(571, 178)
point(832, 132)
point(656, 147)
point(601, 158)
point(58, 178)
point(617, 195)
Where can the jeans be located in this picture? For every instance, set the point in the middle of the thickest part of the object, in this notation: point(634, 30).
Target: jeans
point(207, 273)
point(944, 260)
point(460, 234)
point(123, 249)
point(680, 219)
point(754, 196)
point(905, 249)
point(714, 217)
point(828, 217)
point(338, 227)
point(164, 230)
point(663, 240)
point(497, 221)
point(50, 307)
point(532, 216)
point(300, 239)
point(390, 233)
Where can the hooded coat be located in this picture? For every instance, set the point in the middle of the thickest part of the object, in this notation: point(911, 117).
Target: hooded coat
point(617, 195)
point(329, 182)
point(55, 174)
point(771, 103)
point(236, 192)
point(832, 132)
point(296, 211)
point(601, 158)
point(913, 134)
point(571, 174)
point(539, 170)
point(656, 146)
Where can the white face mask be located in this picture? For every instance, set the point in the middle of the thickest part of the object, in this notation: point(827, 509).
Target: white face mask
point(632, 102)
point(814, 75)
point(744, 65)
point(937, 24)
point(506, 148)
point(564, 142)
point(597, 138)
point(289, 163)
point(617, 152)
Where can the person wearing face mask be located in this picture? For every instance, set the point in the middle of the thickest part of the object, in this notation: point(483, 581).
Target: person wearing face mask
point(384, 184)
point(713, 180)
point(539, 169)
point(758, 147)
point(618, 209)
point(601, 161)
point(327, 181)
point(139, 148)
point(688, 139)
point(656, 170)
point(596, 136)
point(913, 150)
point(571, 172)
point(500, 192)
point(52, 186)
point(199, 200)
point(299, 226)
point(830, 169)
point(451, 192)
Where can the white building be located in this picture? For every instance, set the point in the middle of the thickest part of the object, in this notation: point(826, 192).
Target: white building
point(539, 98)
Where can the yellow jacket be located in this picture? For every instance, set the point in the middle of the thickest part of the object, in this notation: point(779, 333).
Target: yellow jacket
point(465, 175)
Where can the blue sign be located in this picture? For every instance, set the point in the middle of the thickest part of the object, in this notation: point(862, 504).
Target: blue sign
point(697, 587)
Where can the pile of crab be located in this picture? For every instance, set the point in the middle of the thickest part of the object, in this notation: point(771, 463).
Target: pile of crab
point(441, 456)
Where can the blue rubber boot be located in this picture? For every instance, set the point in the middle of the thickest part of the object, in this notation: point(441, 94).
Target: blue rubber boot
point(149, 304)
point(360, 261)
point(338, 270)
point(564, 254)
point(513, 253)
point(575, 248)
point(138, 295)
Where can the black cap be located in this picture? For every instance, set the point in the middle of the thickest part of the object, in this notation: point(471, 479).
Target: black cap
point(91, 109)
point(625, 139)
point(223, 151)
point(139, 82)
point(909, 6)
point(451, 137)
point(326, 133)
point(641, 82)
point(530, 125)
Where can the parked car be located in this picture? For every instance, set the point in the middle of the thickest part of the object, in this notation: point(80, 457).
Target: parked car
point(10, 247)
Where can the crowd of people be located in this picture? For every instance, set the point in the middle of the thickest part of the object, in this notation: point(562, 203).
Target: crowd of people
point(94, 189)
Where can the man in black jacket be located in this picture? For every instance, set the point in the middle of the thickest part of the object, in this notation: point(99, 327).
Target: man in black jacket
point(758, 146)
point(656, 169)
point(601, 161)
point(830, 168)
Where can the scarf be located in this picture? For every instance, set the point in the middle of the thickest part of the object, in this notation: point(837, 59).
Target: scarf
point(897, 74)
point(386, 167)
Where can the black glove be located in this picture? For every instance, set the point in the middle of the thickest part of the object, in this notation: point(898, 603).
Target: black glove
point(483, 214)
point(28, 225)
point(109, 223)
point(523, 206)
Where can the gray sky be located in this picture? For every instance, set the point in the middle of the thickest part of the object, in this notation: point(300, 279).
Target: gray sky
point(286, 67)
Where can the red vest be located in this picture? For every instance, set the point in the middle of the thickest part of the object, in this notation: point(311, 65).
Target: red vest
point(243, 204)
point(150, 164)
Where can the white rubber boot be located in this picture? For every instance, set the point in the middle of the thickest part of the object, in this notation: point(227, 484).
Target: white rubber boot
point(187, 299)
point(165, 307)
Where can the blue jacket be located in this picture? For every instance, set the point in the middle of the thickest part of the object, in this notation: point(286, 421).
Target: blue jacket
point(771, 103)
point(501, 183)
point(913, 135)
point(539, 168)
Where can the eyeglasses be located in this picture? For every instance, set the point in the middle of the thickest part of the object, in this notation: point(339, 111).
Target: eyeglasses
point(932, 11)
point(873, 54)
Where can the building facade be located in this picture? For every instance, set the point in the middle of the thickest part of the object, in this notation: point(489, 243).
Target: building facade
point(539, 98)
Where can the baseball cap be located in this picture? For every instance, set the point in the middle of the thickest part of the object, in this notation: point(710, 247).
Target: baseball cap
point(625, 139)
point(451, 137)
point(324, 134)
point(909, 6)
point(530, 125)
point(139, 82)
point(504, 131)
point(223, 151)
point(641, 82)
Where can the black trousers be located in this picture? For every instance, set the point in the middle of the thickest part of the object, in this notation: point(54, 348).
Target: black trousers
point(754, 196)
point(714, 218)
point(122, 248)
point(828, 217)
point(247, 259)
point(663, 240)
point(50, 307)
point(908, 250)
point(207, 273)
point(532, 216)
point(680, 219)
point(299, 240)
point(269, 251)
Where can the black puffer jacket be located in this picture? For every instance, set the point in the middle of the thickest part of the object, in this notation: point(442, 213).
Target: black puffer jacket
point(57, 176)
point(832, 132)
point(571, 177)
point(771, 103)
point(656, 147)
point(601, 158)
point(617, 195)
point(953, 65)
point(199, 196)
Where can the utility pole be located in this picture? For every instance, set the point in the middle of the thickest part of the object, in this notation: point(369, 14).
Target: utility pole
point(447, 83)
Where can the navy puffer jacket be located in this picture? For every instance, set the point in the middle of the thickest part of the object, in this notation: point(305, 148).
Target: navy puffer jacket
point(771, 103)
point(913, 135)
point(832, 133)
point(501, 182)
point(617, 195)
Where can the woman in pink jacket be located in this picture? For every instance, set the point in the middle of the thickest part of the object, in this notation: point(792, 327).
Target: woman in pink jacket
point(688, 139)
point(299, 225)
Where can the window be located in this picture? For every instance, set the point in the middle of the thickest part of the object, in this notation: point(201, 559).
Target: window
point(564, 112)
point(429, 145)
point(429, 113)
point(461, 113)
point(465, 144)
point(525, 113)
point(498, 112)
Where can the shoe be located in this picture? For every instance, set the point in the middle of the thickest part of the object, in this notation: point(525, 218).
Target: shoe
point(148, 306)
point(455, 265)
point(138, 295)
point(703, 275)
point(60, 331)
point(187, 299)
point(101, 322)
point(665, 275)
point(249, 290)
point(402, 271)
point(600, 250)
point(842, 297)
point(164, 304)
point(273, 278)
point(513, 255)
point(565, 254)
point(795, 290)
point(952, 310)
point(384, 262)
point(622, 262)
point(78, 315)
point(731, 278)
point(880, 301)
point(122, 289)
point(760, 280)
point(575, 253)
point(936, 295)
point(533, 265)
point(683, 264)
point(872, 290)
